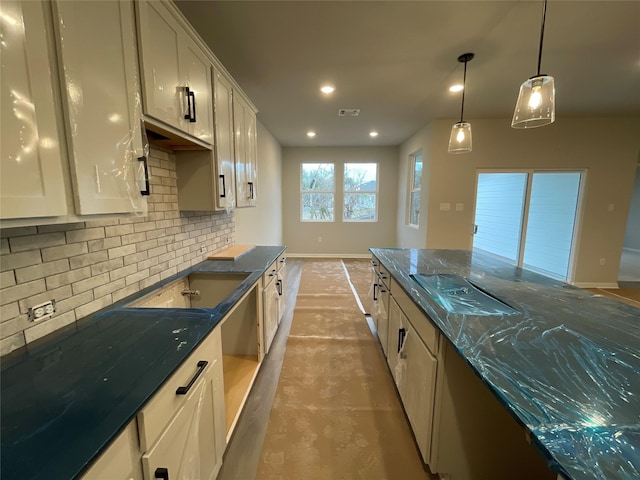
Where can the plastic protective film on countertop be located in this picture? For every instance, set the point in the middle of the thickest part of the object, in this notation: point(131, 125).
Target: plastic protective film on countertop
point(104, 125)
point(567, 366)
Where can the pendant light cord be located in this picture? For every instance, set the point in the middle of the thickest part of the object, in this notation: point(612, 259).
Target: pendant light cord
point(464, 88)
point(544, 17)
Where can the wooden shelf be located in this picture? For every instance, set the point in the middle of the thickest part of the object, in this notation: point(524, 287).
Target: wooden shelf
point(239, 374)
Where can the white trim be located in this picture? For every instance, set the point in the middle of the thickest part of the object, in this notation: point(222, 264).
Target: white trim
point(628, 249)
point(596, 285)
point(328, 255)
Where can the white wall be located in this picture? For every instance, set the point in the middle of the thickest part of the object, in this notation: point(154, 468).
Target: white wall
point(632, 235)
point(262, 225)
point(339, 238)
point(606, 147)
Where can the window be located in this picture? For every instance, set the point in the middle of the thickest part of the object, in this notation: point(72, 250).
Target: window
point(360, 192)
point(415, 182)
point(317, 188)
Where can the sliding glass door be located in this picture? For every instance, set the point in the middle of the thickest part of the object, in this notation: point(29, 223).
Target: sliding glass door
point(528, 218)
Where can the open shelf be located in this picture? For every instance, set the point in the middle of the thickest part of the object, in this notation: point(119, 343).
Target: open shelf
point(239, 373)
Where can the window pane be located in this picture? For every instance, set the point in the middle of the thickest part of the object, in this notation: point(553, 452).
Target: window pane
point(360, 206)
point(414, 213)
point(317, 176)
point(317, 207)
point(360, 177)
point(417, 172)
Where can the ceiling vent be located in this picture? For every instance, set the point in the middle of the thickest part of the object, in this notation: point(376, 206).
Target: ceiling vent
point(348, 112)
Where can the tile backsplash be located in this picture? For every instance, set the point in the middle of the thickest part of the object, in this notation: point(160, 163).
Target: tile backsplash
point(89, 265)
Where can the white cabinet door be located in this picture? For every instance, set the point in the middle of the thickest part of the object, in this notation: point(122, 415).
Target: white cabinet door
point(31, 173)
point(101, 97)
point(176, 74)
point(244, 123)
point(188, 448)
point(271, 312)
point(196, 69)
point(418, 390)
point(223, 101)
point(397, 329)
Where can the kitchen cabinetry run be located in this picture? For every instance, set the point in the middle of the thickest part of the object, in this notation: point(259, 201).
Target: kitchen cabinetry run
point(176, 74)
point(246, 159)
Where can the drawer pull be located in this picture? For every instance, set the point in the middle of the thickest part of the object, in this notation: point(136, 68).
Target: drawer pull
point(161, 473)
point(202, 364)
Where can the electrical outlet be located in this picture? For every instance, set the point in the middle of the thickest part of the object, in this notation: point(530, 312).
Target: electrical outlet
point(601, 262)
point(319, 239)
point(203, 248)
point(42, 311)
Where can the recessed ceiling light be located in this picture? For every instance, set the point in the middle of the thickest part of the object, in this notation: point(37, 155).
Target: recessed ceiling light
point(327, 89)
point(311, 134)
point(373, 134)
point(456, 88)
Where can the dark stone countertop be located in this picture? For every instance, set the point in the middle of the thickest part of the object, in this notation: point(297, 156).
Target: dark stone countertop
point(567, 367)
point(63, 399)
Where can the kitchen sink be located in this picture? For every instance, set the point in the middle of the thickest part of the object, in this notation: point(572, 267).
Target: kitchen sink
point(197, 290)
point(456, 294)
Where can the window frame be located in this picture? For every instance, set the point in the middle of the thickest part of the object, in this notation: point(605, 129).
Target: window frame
point(411, 187)
point(331, 192)
point(375, 192)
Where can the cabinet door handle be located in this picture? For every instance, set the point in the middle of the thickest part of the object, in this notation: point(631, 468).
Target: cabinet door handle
point(250, 190)
point(279, 287)
point(202, 364)
point(402, 332)
point(161, 473)
point(146, 190)
point(375, 296)
point(224, 188)
point(187, 95)
point(192, 94)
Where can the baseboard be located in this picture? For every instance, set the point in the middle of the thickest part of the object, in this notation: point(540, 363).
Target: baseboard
point(328, 255)
point(596, 285)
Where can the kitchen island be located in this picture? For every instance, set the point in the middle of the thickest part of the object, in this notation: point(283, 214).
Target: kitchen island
point(66, 398)
point(565, 366)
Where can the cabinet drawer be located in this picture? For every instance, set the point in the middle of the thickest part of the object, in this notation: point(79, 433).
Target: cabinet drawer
point(270, 273)
point(153, 418)
point(422, 325)
point(282, 262)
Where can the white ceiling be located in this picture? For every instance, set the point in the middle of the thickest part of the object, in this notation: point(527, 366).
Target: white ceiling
point(394, 60)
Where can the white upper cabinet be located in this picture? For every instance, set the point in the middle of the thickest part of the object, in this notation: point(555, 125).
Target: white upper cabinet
point(176, 73)
point(101, 97)
point(246, 159)
point(223, 101)
point(31, 172)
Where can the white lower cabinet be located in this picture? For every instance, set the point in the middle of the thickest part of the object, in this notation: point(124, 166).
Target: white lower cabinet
point(182, 429)
point(121, 461)
point(271, 307)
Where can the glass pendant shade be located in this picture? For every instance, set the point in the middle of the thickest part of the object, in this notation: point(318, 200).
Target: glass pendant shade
point(460, 139)
point(536, 105)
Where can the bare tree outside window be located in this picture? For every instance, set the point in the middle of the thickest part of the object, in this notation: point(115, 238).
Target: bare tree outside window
point(317, 184)
point(360, 192)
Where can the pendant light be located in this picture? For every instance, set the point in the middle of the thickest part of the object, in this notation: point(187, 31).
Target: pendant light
point(536, 105)
point(460, 139)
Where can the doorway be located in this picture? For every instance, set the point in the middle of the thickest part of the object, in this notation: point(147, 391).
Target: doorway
point(529, 218)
